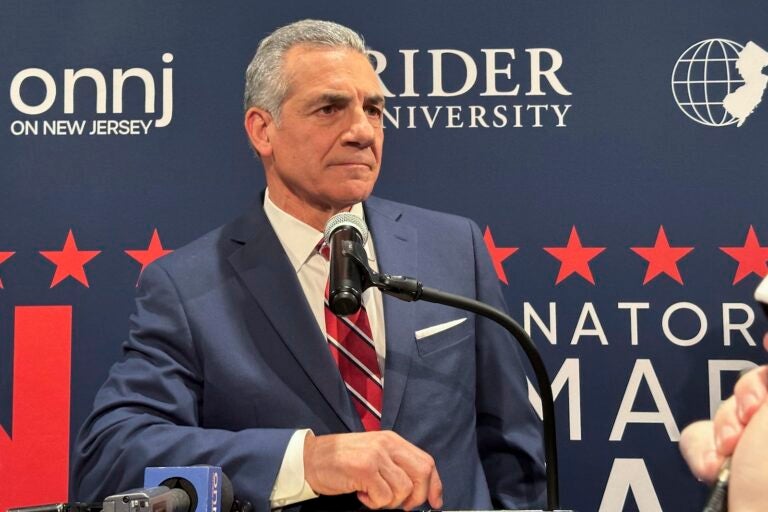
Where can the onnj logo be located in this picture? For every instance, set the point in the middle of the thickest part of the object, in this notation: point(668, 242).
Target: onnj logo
point(90, 101)
point(718, 82)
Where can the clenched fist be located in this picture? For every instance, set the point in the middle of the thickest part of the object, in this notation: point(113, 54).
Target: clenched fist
point(385, 470)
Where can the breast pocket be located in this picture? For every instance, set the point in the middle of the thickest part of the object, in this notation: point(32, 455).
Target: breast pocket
point(442, 336)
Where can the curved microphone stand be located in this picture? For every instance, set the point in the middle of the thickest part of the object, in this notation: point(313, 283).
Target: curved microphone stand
point(409, 289)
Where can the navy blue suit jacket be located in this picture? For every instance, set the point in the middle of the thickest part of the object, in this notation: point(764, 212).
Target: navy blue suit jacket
point(224, 361)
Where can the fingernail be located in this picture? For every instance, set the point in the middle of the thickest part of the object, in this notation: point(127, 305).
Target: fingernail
point(710, 458)
point(726, 433)
point(708, 463)
point(746, 405)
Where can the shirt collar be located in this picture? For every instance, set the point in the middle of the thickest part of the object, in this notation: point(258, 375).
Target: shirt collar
point(297, 238)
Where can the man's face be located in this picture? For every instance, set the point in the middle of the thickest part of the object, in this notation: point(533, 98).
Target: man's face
point(324, 153)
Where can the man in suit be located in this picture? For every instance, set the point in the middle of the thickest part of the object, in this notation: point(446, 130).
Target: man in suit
point(228, 361)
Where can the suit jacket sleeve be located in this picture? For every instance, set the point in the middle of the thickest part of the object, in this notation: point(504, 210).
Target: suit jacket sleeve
point(508, 431)
point(148, 411)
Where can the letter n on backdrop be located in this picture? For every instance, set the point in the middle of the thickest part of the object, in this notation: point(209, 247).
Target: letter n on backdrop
point(34, 458)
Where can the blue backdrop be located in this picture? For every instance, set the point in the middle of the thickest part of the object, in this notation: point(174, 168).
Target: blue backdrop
point(545, 122)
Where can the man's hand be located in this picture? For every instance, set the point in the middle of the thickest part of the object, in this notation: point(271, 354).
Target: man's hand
point(385, 470)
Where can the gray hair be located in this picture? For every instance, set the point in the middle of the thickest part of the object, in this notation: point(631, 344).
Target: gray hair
point(265, 83)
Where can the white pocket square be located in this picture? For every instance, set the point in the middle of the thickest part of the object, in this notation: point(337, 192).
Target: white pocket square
point(429, 331)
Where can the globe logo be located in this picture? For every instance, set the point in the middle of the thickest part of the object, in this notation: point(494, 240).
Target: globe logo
point(703, 76)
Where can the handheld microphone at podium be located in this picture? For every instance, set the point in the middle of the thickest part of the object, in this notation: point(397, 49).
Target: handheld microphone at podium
point(176, 489)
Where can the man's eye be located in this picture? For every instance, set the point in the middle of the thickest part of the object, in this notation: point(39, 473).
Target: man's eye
point(328, 109)
point(373, 111)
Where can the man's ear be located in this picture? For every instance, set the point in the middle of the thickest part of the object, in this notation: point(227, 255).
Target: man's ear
point(256, 122)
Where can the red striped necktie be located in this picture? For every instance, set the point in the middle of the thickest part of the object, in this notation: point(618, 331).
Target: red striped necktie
point(350, 341)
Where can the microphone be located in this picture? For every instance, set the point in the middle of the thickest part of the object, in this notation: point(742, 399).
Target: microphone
point(148, 499)
point(177, 489)
point(208, 488)
point(342, 232)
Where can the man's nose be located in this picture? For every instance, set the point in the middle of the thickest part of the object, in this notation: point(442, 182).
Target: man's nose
point(361, 131)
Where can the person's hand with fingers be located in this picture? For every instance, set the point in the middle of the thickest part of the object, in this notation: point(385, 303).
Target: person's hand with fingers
point(385, 470)
point(739, 430)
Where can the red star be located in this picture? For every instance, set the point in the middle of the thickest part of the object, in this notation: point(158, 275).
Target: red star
point(751, 257)
point(661, 258)
point(150, 254)
point(70, 261)
point(4, 256)
point(498, 254)
point(574, 258)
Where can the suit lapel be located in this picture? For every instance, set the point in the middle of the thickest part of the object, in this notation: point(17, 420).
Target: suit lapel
point(396, 249)
point(267, 273)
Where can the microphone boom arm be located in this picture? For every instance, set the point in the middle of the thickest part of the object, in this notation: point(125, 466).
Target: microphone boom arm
point(410, 289)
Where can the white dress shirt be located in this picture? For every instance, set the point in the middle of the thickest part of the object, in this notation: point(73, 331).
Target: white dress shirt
point(300, 240)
